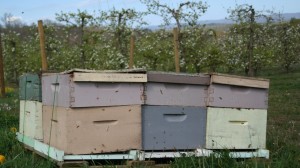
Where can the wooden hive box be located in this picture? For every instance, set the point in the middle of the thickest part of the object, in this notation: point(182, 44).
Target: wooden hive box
point(30, 87)
point(31, 119)
point(176, 89)
point(237, 92)
point(229, 128)
point(90, 89)
point(173, 127)
point(93, 130)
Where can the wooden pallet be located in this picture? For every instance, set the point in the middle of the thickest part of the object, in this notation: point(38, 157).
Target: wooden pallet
point(134, 158)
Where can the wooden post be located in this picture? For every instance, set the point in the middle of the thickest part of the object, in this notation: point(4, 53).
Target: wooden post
point(131, 50)
point(2, 84)
point(42, 45)
point(176, 49)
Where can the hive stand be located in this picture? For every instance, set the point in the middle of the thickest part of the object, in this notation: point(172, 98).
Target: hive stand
point(136, 155)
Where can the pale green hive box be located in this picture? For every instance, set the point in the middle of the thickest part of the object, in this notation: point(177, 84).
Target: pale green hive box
point(30, 87)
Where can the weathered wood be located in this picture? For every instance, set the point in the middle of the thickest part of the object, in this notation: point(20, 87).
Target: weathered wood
point(136, 70)
point(42, 45)
point(26, 140)
point(31, 119)
point(2, 83)
point(128, 155)
point(143, 163)
point(173, 127)
point(58, 156)
point(183, 78)
point(109, 77)
point(229, 128)
point(110, 166)
point(73, 164)
point(137, 166)
point(89, 94)
point(175, 94)
point(240, 81)
point(131, 50)
point(93, 130)
point(176, 49)
point(30, 87)
point(233, 96)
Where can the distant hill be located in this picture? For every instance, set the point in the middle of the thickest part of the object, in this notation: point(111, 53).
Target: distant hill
point(288, 16)
point(285, 16)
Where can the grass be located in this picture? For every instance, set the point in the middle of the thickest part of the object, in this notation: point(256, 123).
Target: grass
point(15, 154)
point(283, 132)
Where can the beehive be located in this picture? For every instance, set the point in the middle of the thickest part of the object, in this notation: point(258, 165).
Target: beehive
point(81, 89)
point(231, 128)
point(93, 130)
point(173, 127)
point(237, 92)
point(30, 87)
point(176, 89)
point(31, 119)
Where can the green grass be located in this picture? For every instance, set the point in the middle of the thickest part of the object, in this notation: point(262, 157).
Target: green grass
point(283, 132)
point(15, 154)
point(283, 129)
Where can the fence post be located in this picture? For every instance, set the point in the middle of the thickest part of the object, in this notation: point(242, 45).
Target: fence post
point(42, 45)
point(176, 49)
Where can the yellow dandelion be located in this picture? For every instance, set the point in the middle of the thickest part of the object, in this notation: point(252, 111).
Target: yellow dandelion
point(9, 90)
point(2, 159)
point(13, 129)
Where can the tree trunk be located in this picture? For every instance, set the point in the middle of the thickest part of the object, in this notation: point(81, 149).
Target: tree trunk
point(181, 51)
point(176, 50)
point(2, 83)
point(251, 43)
point(82, 55)
point(14, 54)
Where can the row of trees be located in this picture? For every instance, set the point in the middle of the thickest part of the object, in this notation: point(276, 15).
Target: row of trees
point(83, 40)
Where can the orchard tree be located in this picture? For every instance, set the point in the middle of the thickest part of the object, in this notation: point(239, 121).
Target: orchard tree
point(295, 21)
point(154, 50)
point(57, 45)
point(185, 13)
point(246, 27)
point(202, 49)
point(20, 53)
point(121, 23)
point(287, 50)
point(2, 82)
point(11, 54)
point(79, 20)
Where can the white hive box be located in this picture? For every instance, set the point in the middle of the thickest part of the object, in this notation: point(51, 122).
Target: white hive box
point(237, 92)
point(31, 119)
point(93, 130)
point(229, 128)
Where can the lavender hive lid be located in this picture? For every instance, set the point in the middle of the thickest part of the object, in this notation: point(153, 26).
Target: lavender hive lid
point(125, 75)
point(239, 80)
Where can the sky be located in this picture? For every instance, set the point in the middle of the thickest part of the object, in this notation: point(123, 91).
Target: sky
point(30, 11)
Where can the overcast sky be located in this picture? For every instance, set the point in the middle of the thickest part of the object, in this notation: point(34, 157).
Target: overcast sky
point(30, 11)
